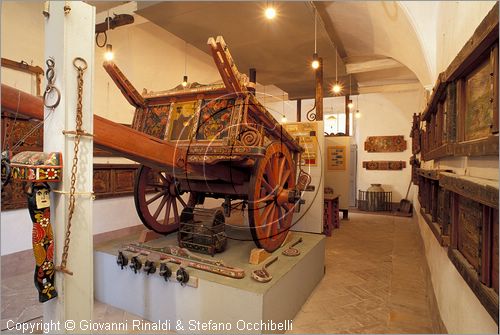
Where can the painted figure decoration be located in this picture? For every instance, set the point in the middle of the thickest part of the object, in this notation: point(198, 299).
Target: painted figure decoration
point(42, 240)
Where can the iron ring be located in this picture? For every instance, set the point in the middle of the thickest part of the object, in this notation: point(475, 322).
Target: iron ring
point(50, 62)
point(48, 90)
point(49, 74)
point(83, 61)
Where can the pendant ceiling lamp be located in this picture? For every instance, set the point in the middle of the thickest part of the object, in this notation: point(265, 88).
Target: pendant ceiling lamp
point(337, 86)
point(358, 114)
point(108, 55)
point(185, 78)
point(350, 104)
point(315, 61)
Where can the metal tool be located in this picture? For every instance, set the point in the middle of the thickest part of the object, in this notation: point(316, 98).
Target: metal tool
point(291, 251)
point(262, 275)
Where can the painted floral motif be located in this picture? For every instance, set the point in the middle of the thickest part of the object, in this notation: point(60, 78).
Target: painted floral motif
point(37, 166)
point(215, 118)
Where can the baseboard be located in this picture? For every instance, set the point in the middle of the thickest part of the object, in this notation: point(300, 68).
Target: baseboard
point(437, 323)
point(22, 262)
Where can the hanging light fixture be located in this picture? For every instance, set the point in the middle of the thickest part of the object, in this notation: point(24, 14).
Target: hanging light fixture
point(108, 55)
point(283, 117)
point(315, 61)
point(185, 78)
point(337, 86)
point(270, 12)
point(357, 115)
point(350, 104)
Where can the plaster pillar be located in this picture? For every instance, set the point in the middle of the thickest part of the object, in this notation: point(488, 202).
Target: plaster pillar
point(67, 36)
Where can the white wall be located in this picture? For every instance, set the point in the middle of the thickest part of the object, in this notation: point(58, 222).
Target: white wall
point(149, 56)
point(456, 23)
point(460, 309)
point(384, 114)
point(108, 215)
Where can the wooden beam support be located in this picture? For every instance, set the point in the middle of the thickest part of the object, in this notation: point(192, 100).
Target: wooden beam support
point(373, 65)
point(25, 67)
point(318, 76)
point(299, 110)
point(390, 88)
point(125, 86)
point(347, 123)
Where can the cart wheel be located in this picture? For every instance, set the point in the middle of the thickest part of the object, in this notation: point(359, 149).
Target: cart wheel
point(157, 197)
point(270, 212)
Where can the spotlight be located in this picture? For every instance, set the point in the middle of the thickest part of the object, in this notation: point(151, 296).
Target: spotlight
point(315, 62)
point(108, 55)
point(270, 13)
point(184, 81)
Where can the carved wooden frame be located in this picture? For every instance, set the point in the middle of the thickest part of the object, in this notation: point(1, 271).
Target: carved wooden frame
point(432, 201)
point(445, 111)
point(482, 277)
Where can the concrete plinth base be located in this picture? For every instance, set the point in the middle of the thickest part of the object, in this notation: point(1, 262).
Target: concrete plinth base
point(239, 303)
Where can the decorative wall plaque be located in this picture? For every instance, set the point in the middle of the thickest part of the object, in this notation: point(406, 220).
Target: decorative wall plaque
point(384, 165)
point(336, 157)
point(385, 143)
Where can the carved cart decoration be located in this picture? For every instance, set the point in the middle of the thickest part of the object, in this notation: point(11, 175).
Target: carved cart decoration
point(204, 141)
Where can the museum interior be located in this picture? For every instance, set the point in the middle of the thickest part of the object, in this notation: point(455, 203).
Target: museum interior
point(249, 167)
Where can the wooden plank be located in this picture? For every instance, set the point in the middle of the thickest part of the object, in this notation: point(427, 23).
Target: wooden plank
point(487, 296)
point(436, 231)
point(437, 92)
point(478, 189)
point(430, 174)
point(445, 150)
point(482, 147)
point(25, 67)
point(125, 86)
point(482, 39)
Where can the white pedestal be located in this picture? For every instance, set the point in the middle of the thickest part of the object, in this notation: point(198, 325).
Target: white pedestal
point(216, 298)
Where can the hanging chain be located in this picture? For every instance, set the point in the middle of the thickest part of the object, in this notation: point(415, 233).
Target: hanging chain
point(74, 168)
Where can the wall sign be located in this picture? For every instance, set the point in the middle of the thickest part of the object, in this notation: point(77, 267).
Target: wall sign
point(305, 132)
point(336, 157)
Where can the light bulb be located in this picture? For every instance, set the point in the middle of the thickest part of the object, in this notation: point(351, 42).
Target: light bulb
point(108, 55)
point(184, 81)
point(283, 119)
point(270, 13)
point(315, 61)
point(337, 88)
point(357, 115)
point(350, 104)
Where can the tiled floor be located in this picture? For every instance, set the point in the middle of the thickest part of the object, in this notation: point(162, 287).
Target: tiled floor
point(374, 283)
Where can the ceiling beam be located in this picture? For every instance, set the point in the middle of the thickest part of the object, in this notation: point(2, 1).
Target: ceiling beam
point(320, 7)
point(390, 88)
point(373, 65)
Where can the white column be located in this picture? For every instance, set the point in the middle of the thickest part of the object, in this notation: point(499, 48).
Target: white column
point(68, 36)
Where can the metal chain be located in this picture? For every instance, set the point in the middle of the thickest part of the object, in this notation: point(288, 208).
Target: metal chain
point(74, 168)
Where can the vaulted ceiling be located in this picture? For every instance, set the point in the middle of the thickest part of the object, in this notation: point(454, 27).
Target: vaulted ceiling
point(374, 41)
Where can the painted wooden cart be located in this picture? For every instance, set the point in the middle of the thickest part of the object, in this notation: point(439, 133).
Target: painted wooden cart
point(207, 141)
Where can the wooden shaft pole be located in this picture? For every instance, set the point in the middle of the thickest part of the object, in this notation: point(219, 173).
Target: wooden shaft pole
point(299, 110)
point(319, 90)
point(347, 123)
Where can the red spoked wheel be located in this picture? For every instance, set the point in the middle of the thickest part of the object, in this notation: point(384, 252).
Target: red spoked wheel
point(270, 199)
point(157, 198)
